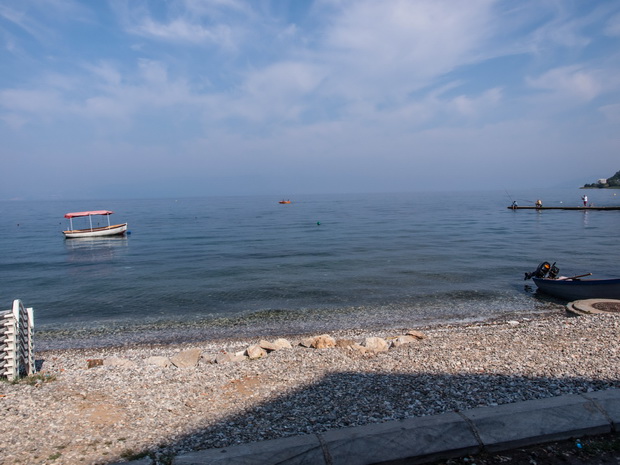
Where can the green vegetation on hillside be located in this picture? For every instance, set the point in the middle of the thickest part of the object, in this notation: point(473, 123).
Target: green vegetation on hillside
point(611, 183)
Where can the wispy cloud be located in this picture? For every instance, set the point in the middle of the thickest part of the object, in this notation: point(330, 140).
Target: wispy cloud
point(570, 82)
point(375, 51)
point(345, 79)
point(34, 16)
point(612, 27)
point(193, 22)
point(182, 30)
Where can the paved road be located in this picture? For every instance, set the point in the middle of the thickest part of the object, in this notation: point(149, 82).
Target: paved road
point(524, 432)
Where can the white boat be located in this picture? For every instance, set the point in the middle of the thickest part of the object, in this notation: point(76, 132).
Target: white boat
point(99, 231)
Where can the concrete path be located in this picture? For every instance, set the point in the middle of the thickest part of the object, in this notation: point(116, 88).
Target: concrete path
point(425, 439)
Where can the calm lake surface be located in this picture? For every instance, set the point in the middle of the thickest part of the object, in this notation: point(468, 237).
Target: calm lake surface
point(220, 266)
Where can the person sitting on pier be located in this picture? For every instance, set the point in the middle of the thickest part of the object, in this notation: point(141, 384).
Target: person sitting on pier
point(539, 203)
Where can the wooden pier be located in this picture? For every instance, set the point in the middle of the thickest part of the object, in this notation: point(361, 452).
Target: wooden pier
point(585, 209)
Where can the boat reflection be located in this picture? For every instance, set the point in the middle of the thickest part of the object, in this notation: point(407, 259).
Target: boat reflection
point(95, 249)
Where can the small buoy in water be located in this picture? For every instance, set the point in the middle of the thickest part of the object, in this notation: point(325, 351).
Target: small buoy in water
point(318, 223)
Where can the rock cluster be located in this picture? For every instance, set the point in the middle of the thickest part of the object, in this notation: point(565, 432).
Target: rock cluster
point(162, 400)
point(192, 357)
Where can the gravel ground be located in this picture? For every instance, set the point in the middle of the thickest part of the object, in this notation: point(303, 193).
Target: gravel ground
point(72, 414)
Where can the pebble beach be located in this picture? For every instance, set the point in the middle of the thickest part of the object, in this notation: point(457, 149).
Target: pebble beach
point(153, 402)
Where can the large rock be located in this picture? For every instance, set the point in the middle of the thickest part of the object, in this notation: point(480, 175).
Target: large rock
point(376, 344)
point(282, 343)
point(268, 346)
point(94, 362)
point(345, 343)
point(403, 340)
point(159, 361)
point(416, 334)
point(186, 359)
point(119, 362)
point(324, 341)
point(255, 352)
point(350, 345)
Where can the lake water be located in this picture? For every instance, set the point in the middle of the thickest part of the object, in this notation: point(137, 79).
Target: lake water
point(218, 266)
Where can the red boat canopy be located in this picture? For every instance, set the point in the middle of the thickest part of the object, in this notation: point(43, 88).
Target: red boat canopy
point(95, 212)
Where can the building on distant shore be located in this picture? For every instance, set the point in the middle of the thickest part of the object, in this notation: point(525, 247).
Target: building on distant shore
point(609, 183)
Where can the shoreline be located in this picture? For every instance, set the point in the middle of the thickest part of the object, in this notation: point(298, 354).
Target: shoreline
point(273, 325)
point(128, 407)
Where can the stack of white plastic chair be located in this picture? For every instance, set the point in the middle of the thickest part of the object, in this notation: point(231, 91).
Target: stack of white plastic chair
point(16, 342)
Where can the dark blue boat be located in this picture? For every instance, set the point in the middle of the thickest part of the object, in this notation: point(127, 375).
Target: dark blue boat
point(579, 289)
point(573, 288)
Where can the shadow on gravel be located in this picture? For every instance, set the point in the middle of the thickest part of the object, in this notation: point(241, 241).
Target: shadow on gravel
point(349, 399)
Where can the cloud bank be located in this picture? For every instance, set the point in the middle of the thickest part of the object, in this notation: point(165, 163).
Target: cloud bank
point(208, 97)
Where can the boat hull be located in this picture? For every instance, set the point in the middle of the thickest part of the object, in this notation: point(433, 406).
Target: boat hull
point(579, 289)
point(114, 230)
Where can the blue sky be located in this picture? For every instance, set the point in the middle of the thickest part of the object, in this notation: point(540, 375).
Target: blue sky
point(139, 98)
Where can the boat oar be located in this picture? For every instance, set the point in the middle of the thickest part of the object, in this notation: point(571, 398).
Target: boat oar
point(576, 277)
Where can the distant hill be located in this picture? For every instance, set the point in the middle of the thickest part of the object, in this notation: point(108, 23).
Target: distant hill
point(609, 183)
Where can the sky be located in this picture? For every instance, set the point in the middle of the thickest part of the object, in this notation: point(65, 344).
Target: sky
point(172, 98)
